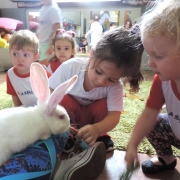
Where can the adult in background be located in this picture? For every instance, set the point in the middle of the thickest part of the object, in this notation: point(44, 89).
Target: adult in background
point(104, 20)
point(128, 24)
point(50, 20)
point(96, 30)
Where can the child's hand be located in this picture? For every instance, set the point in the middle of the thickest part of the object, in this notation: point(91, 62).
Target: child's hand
point(88, 133)
point(131, 156)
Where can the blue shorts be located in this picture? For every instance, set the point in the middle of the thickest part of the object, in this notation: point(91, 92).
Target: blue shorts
point(37, 161)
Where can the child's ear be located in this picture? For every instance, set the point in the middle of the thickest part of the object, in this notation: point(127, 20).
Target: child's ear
point(36, 57)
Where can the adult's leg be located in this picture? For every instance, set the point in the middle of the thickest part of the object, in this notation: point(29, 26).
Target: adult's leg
point(43, 55)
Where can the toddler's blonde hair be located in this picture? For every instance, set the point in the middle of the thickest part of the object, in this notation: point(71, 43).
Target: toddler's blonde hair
point(162, 20)
point(24, 39)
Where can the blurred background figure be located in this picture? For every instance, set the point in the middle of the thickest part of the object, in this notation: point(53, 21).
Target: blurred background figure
point(83, 45)
point(5, 34)
point(50, 19)
point(112, 26)
point(96, 30)
point(128, 24)
point(104, 20)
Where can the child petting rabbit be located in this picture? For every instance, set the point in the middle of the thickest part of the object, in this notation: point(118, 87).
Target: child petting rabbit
point(95, 101)
point(23, 49)
point(20, 127)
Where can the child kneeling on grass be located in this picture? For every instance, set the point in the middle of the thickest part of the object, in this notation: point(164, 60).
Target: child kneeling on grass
point(95, 101)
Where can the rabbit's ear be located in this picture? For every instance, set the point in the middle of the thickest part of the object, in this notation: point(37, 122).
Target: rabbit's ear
point(58, 94)
point(39, 82)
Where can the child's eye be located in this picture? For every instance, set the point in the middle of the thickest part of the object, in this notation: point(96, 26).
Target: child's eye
point(66, 49)
point(158, 57)
point(98, 72)
point(59, 49)
point(15, 54)
point(113, 81)
point(26, 55)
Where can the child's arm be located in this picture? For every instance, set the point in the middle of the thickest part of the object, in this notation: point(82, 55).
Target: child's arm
point(108, 123)
point(16, 101)
point(89, 133)
point(143, 127)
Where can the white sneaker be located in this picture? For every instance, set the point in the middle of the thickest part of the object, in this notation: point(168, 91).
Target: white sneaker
point(86, 165)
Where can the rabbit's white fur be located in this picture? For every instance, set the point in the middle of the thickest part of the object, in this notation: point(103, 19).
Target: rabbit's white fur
point(21, 127)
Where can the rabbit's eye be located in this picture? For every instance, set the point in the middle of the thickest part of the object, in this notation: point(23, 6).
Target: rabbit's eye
point(61, 116)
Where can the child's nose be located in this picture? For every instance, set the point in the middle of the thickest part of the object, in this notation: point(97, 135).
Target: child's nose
point(151, 62)
point(20, 58)
point(102, 81)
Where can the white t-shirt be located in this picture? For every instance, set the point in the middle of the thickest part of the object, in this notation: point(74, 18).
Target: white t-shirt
point(49, 15)
point(77, 67)
point(96, 33)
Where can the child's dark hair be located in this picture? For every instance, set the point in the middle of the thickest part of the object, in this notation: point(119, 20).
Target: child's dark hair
point(95, 17)
point(125, 49)
point(61, 34)
point(112, 24)
point(83, 39)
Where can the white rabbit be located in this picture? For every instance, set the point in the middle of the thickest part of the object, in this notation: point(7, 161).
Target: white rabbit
point(21, 127)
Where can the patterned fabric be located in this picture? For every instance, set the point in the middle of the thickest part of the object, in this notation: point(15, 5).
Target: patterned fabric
point(36, 162)
point(162, 137)
point(136, 30)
